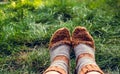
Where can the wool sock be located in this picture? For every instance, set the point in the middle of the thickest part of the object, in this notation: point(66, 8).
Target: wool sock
point(85, 59)
point(59, 59)
point(84, 49)
point(59, 51)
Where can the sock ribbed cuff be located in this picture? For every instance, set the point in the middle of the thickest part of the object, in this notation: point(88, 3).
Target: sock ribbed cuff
point(85, 59)
point(59, 59)
point(56, 69)
point(90, 68)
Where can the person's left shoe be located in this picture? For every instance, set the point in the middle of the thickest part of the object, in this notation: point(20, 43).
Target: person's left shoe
point(59, 51)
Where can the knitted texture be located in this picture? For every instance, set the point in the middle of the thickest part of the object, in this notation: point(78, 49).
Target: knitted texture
point(59, 51)
point(61, 36)
point(84, 49)
point(90, 68)
point(81, 36)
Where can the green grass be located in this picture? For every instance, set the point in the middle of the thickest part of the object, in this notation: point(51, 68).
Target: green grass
point(25, 30)
point(30, 61)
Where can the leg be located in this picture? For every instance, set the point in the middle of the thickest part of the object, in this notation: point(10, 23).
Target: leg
point(84, 49)
point(52, 72)
point(59, 52)
point(93, 73)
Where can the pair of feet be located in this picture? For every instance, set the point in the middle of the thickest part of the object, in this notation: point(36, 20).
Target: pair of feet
point(84, 48)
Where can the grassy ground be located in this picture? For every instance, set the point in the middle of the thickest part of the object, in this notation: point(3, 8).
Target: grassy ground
point(26, 27)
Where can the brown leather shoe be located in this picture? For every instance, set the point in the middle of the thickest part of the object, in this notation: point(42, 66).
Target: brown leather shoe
point(61, 36)
point(81, 35)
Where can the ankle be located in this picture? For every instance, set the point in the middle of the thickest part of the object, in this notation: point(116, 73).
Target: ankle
point(85, 59)
point(59, 59)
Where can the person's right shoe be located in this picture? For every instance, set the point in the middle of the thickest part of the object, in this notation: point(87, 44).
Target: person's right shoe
point(84, 50)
